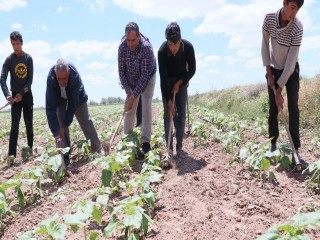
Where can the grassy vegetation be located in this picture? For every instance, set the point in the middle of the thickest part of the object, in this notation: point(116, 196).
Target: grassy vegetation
point(251, 101)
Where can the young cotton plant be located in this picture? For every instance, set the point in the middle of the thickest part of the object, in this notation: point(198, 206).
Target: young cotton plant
point(85, 210)
point(199, 133)
point(314, 179)
point(130, 218)
point(49, 228)
point(258, 158)
point(51, 160)
point(295, 228)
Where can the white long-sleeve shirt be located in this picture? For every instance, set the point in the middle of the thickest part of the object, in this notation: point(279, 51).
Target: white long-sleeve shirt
point(285, 45)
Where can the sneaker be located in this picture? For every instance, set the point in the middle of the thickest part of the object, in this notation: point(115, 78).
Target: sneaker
point(66, 160)
point(180, 153)
point(10, 160)
point(273, 147)
point(146, 147)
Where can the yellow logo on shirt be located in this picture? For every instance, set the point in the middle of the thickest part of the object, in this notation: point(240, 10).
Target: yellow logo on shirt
point(21, 70)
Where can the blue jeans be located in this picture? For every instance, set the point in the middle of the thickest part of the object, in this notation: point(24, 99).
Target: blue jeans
point(180, 117)
point(26, 104)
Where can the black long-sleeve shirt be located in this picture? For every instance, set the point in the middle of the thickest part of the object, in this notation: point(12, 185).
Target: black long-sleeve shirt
point(181, 66)
point(21, 74)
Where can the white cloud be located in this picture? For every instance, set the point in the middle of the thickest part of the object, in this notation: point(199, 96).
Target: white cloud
point(97, 5)
point(8, 5)
point(40, 52)
point(241, 23)
point(254, 63)
point(94, 79)
point(212, 59)
point(246, 53)
point(233, 75)
point(96, 66)
point(230, 60)
point(16, 26)
point(169, 10)
point(86, 48)
point(59, 9)
point(310, 43)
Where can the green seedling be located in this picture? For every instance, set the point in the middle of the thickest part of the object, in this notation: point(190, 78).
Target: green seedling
point(199, 133)
point(314, 179)
point(84, 211)
point(295, 228)
point(130, 217)
point(50, 228)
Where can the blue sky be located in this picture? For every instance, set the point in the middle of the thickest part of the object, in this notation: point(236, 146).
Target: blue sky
point(226, 35)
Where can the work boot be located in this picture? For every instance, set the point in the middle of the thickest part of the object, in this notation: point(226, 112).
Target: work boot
point(66, 159)
point(10, 160)
point(146, 147)
point(273, 147)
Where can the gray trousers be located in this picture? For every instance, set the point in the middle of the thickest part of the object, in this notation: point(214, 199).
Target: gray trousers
point(85, 122)
point(130, 117)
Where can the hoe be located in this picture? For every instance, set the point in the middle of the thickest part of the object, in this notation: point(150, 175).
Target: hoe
point(295, 155)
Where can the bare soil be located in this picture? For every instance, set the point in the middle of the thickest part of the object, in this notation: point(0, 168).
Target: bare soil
point(202, 198)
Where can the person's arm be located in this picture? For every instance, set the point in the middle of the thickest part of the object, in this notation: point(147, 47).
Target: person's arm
point(162, 64)
point(74, 86)
point(265, 52)
point(4, 76)
point(29, 81)
point(147, 65)
point(190, 63)
point(52, 103)
point(290, 64)
point(122, 68)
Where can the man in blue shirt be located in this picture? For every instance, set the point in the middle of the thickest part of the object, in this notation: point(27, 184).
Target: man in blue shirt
point(66, 97)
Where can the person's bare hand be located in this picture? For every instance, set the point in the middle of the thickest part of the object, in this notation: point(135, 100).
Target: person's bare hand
point(279, 101)
point(176, 87)
point(18, 97)
point(129, 103)
point(10, 100)
point(59, 142)
point(271, 81)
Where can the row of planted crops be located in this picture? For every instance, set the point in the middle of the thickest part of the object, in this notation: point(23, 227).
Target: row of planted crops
point(122, 204)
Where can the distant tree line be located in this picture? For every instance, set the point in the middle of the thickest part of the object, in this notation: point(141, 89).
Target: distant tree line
point(109, 100)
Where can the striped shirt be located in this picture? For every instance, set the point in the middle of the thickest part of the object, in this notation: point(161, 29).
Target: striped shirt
point(285, 45)
point(136, 68)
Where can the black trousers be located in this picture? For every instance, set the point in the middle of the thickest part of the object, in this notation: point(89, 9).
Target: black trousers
point(25, 105)
point(180, 117)
point(292, 88)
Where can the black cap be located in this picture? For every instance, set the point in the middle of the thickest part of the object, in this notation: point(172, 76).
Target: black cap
point(173, 32)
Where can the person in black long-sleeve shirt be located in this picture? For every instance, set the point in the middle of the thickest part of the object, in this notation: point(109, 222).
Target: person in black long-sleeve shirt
point(20, 66)
point(177, 65)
